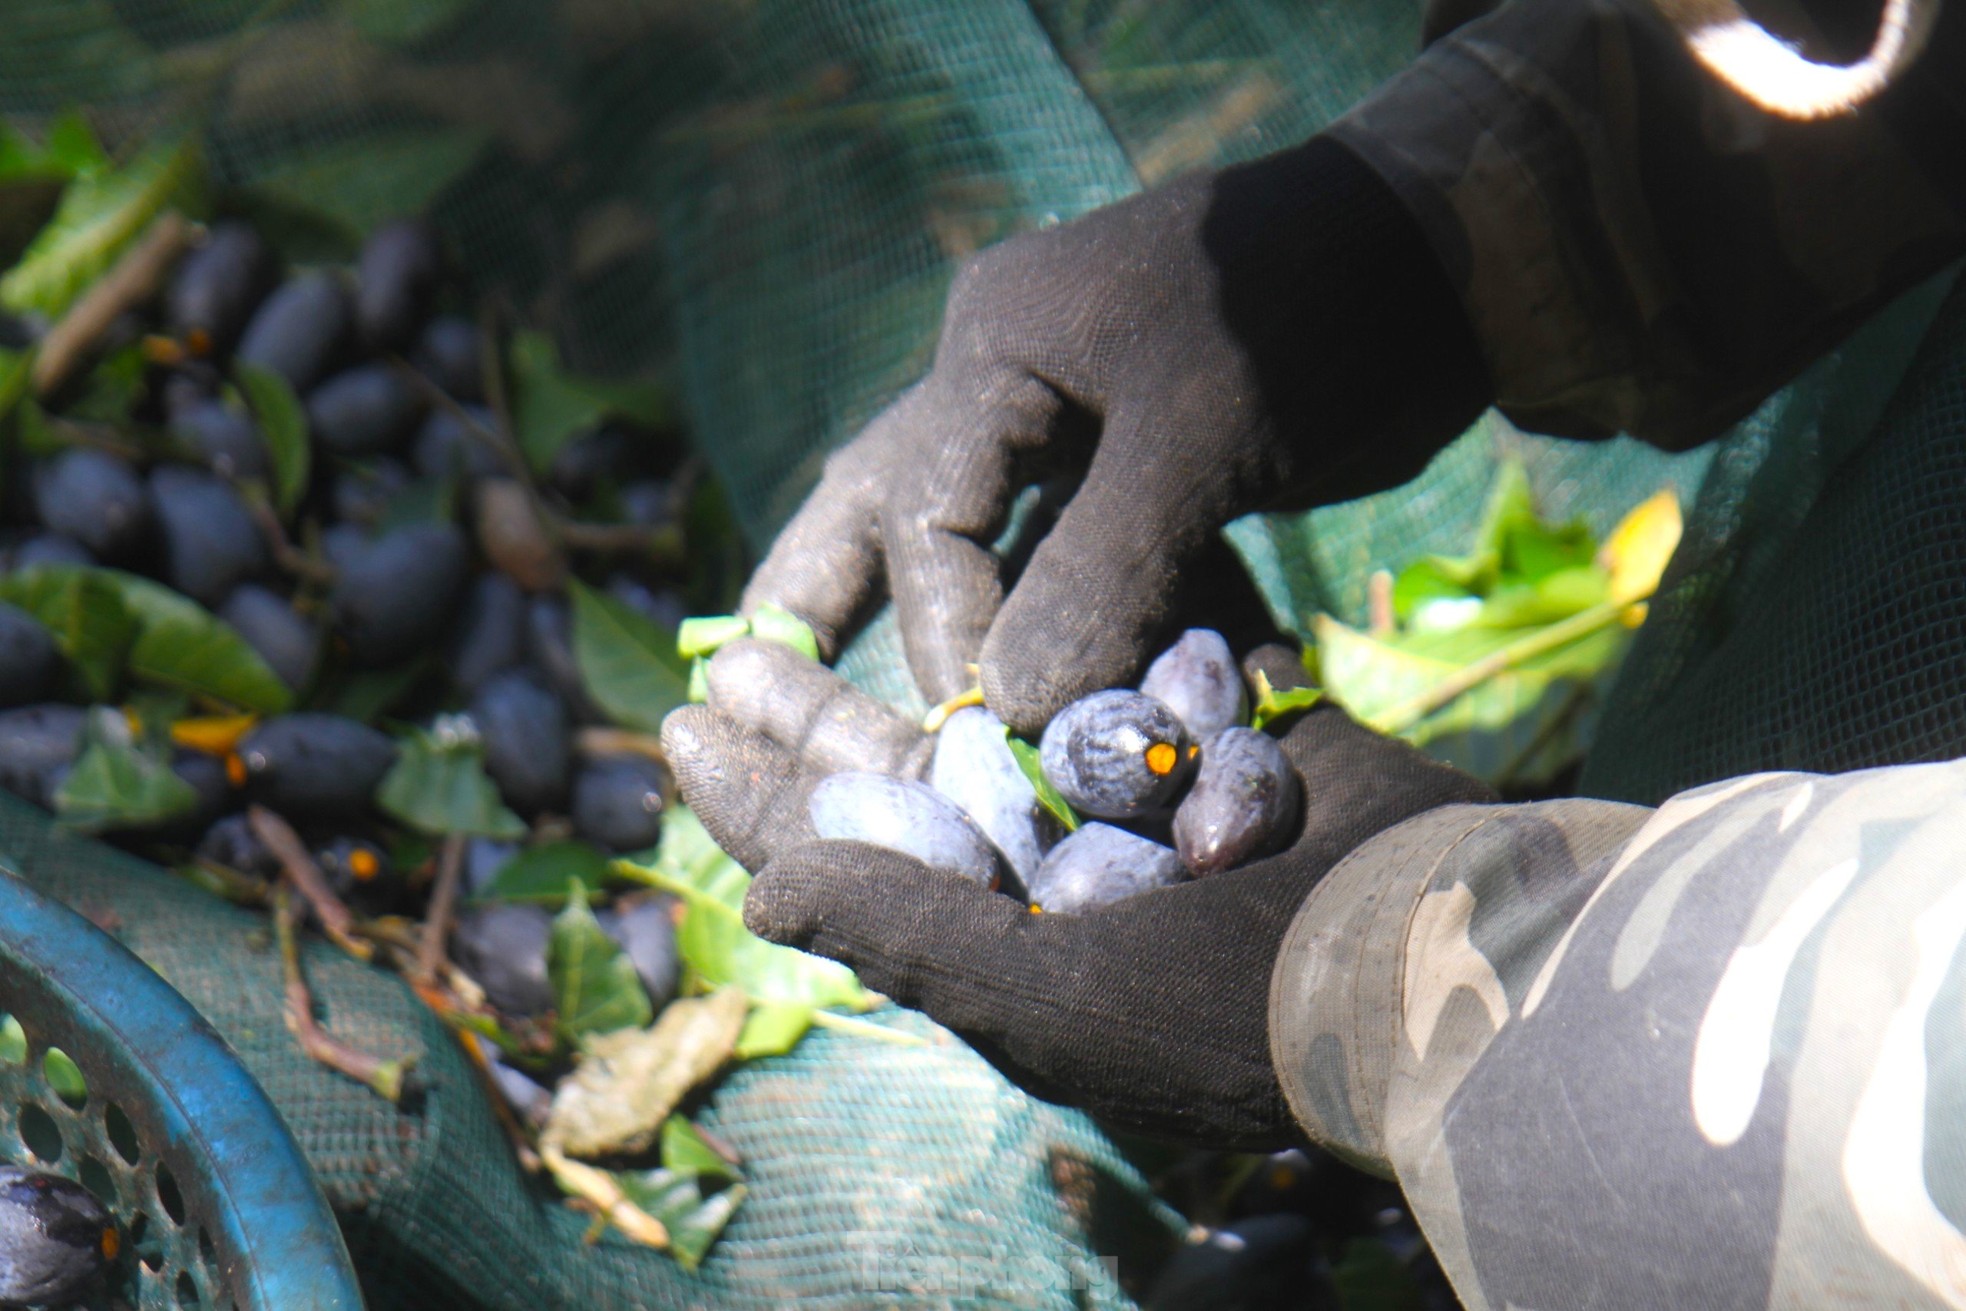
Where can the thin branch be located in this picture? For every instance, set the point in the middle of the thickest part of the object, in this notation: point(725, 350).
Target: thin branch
point(867, 1029)
point(599, 1190)
point(443, 907)
point(600, 741)
point(385, 1077)
point(289, 557)
point(285, 844)
point(131, 280)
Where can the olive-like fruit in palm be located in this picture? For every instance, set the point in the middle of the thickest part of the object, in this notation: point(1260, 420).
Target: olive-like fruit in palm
point(1115, 754)
point(300, 330)
point(219, 285)
point(37, 744)
point(903, 816)
point(316, 764)
point(271, 626)
point(396, 278)
point(447, 353)
point(55, 1238)
point(225, 440)
point(364, 410)
point(1099, 865)
point(211, 542)
point(617, 802)
point(1243, 804)
point(394, 595)
point(1198, 680)
point(973, 767)
point(29, 660)
point(503, 948)
point(527, 739)
point(92, 497)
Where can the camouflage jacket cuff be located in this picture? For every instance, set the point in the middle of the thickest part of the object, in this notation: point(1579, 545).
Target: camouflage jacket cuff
point(1339, 993)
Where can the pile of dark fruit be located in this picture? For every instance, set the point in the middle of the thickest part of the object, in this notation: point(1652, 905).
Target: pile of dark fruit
point(1178, 782)
point(283, 598)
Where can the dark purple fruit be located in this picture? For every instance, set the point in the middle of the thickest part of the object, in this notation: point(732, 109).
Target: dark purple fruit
point(591, 461)
point(92, 497)
point(209, 782)
point(362, 492)
point(1115, 754)
point(396, 278)
point(316, 765)
point(55, 1238)
point(549, 645)
point(490, 634)
point(527, 739)
point(343, 544)
point(29, 659)
point(1243, 804)
point(447, 353)
point(225, 440)
point(1198, 680)
point(904, 816)
point(232, 843)
point(973, 767)
point(503, 948)
point(652, 504)
point(300, 330)
point(364, 410)
point(395, 595)
point(646, 932)
point(36, 744)
point(48, 548)
point(220, 284)
point(357, 869)
point(617, 802)
point(271, 626)
point(446, 446)
point(1099, 865)
point(211, 542)
point(483, 859)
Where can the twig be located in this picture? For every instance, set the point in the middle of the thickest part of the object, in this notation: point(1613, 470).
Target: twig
point(1379, 603)
point(600, 741)
point(285, 844)
point(508, 1118)
point(443, 905)
point(285, 554)
point(131, 280)
point(598, 1189)
point(867, 1029)
point(385, 1077)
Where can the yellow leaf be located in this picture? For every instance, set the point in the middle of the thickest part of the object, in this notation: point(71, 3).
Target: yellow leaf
point(215, 735)
point(1639, 547)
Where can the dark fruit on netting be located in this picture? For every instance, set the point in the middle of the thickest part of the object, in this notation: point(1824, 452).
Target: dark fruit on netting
point(357, 869)
point(37, 743)
point(29, 659)
point(973, 767)
point(503, 948)
point(271, 626)
point(396, 279)
point(300, 330)
point(55, 1238)
point(92, 497)
point(528, 745)
point(231, 842)
point(48, 548)
point(365, 410)
point(220, 284)
point(617, 802)
point(1115, 754)
point(645, 930)
point(223, 439)
point(1243, 804)
point(490, 633)
point(362, 492)
point(210, 540)
point(447, 352)
point(393, 595)
point(903, 816)
point(452, 446)
point(316, 765)
point(1099, 865)
point(1198, 680)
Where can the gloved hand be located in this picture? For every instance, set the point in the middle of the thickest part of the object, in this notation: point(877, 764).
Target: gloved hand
point(1275, 334)
point(1151, 1013)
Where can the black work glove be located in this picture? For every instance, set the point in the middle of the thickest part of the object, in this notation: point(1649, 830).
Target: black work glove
point(1275, 334)
point(1152, 1013)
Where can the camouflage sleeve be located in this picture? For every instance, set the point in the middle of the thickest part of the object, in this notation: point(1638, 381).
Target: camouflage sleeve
point(1709, 1056)
point(1638, 248)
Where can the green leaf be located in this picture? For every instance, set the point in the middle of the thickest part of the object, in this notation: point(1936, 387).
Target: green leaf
point(774, 623)
point(595, 989)
point(627, 661)
point(99, 216)
point(421, 500)
point(686, 1150)
point(699, 681)
point(548, 875)
point(773, 1029)
point(368, 694)
point(180, 644)
point(715, 947)
point(438, 786)
point(65, 1077)
point(551, 406)
point(111, 389)
point(703, 635)
point(362, 183)
point(1049, 796)
point(16, 379)
point(116, 783)
point(679, 1200)
point(283, 423)
point(1272, 705)
point(86, 612)
point(403, 22)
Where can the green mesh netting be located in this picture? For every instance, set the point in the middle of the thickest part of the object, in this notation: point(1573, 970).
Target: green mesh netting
point(764, 203)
